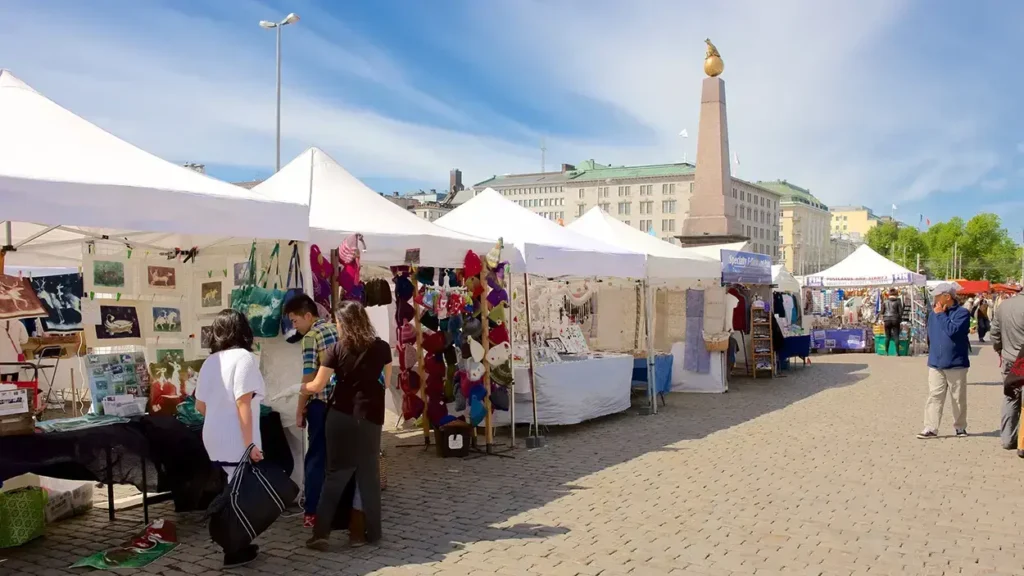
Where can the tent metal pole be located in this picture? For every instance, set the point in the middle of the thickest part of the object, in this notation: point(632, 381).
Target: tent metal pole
point(35, 236)
point(535, 440)
point(652, 389)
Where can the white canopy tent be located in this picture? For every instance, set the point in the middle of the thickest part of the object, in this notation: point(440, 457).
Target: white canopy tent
point(715, 250)
point(340, 205)
point(548, 249)
point(75, 181)
point(785, 280)
point(664, 261)
point(864, 268)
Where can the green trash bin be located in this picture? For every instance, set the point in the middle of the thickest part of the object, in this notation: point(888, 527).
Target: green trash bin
point(904, 347)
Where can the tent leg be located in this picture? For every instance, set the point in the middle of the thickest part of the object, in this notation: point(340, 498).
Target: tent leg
point(534, 440)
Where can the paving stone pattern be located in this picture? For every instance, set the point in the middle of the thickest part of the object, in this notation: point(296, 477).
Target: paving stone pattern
point(817, 473)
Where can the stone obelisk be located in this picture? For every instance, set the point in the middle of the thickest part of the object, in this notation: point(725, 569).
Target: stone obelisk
point(711, 219)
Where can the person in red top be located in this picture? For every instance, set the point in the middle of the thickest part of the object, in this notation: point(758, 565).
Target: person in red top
point(354, 423)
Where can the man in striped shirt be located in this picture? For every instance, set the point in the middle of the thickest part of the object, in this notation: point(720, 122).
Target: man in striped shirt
point(311, 413)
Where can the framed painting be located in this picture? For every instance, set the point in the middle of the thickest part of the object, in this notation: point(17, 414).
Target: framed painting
point(213, 295)
point(108, 274)
point(202, 336)
point(61, 295)
point(18, 299)
point(238, 271)
point(161, 277)
point(117, 322)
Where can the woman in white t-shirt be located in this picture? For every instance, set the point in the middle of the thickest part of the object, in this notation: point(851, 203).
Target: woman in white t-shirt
point(228, 395)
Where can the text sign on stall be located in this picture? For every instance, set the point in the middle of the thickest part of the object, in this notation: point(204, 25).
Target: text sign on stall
point(746, 268)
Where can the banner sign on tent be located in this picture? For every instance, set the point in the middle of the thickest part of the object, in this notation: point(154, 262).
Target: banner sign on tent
point(858, 281)
point(746, 268)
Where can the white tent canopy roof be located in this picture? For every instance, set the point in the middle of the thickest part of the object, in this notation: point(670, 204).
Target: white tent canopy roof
point(57, 169)
point(664, 260)
point(784, 279)
point(865, 267)
point(340, 205)
point(548, 248)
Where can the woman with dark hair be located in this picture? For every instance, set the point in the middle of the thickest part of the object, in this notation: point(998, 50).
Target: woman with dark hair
point(228, 395)
point(354, 424)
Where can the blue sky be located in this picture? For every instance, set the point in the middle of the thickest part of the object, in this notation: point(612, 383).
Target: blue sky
point(872, 102)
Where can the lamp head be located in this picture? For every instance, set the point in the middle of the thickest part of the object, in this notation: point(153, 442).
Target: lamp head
point(290, 19)
point(267, 24)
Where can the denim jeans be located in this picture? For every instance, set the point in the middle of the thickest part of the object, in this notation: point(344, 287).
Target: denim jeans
point(316, 453)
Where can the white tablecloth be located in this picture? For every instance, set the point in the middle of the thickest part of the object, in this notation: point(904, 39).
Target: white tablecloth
point(573, 392)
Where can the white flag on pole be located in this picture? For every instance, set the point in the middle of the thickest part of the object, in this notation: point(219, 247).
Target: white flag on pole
point(893, 206)
point(684, 133)
point(735, 158)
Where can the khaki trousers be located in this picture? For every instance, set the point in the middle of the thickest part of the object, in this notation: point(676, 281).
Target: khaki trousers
point(939, 381)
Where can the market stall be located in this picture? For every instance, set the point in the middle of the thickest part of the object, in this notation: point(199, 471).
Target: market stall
point(551, 253)
point(846, 302)
point(672, 273)
point(788, 306)
point(419, 263)
point(749, 310)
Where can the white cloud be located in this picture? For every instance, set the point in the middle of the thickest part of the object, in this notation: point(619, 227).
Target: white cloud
point(815, 93)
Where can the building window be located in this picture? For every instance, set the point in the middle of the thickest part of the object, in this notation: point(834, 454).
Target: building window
point(748, 230)
point(733, 192)
point(605, 206)
point(668, 189)
point(581, 193)
point(646, 225)
point(626, 222)
point(623, 191)
point(602, 192)
point(668, 225)
point(624, 208)
point(647, 207)
point(748, 213)
point(580, 209)
point(646, 189)
point(668, 206)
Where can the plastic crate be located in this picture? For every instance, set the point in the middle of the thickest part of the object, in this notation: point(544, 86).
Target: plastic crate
point(904, 347)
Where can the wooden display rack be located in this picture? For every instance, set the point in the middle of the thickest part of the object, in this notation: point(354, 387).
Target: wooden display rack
point(761, 337)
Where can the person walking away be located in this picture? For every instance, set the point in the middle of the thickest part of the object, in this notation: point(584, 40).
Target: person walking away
point(1007, 340)
point(311, 410)
point(10, 349)
point(949, 327)
point(892, 316)
point(984, 322)
point(354, 424)
point(228, 395)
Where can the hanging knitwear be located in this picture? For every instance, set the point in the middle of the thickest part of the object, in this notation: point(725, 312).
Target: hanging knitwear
point(696, 358)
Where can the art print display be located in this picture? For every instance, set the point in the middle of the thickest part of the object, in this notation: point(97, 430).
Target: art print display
point(203, 336)
point(108, 274)
point(162, 277)
point(110, 322)
point(556, 344)
point(18, 299)
point(172, 379)
point(163, 355)
point(116, 374)
point(213, 295)
point(165, 320)
point(241, 273)
point(575, 342)
point(61, 295)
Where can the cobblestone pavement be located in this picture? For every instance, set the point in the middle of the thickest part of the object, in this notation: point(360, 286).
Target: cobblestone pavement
point(817, 473)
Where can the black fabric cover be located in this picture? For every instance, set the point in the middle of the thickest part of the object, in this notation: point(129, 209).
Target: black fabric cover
point(256, 496)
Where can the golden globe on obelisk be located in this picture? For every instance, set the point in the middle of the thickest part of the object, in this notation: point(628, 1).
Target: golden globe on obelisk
point(711, 219)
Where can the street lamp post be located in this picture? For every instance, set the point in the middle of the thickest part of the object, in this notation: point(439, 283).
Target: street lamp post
point(290, 19)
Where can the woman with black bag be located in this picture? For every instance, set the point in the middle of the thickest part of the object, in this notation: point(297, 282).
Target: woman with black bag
point(354, 424)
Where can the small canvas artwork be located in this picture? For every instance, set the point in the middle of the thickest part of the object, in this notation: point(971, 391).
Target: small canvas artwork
point(108, 274)
point(61, 295)
point(211, 294)
point(18, 299)
point(111, 374)
point(166, 320)
point(118, 322)
point(167, 355)
point(241, 273)
point(556, 344)
point(161, 277)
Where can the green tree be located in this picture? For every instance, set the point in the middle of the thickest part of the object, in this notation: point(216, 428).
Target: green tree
point(984, 249)
point(901, 244)
point(882, 237)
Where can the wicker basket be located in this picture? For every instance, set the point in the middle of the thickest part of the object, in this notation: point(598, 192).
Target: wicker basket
point(716, 342)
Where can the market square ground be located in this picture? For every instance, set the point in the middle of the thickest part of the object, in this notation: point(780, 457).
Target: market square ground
point(817, 473)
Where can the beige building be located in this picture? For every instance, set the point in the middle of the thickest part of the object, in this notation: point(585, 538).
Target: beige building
point(653, 198)
point(804, 233)
point(853, 221)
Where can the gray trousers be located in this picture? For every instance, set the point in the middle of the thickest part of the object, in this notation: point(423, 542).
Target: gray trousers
point(1010, 421)
point(353, 450)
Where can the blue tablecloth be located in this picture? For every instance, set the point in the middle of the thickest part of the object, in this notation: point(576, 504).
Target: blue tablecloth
point(842, 339)
point(662, 372)
point(796, 347)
